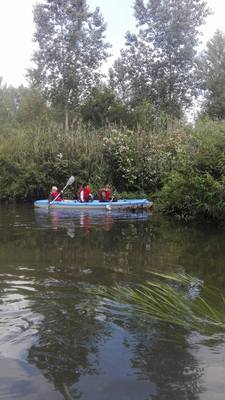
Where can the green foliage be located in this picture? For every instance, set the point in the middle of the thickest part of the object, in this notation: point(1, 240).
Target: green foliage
point(21, 107)
point(210, 70)
point(146, 116)
point(139, 160)
point(102, 108)
point(8, 109)
point(183, 167)
point(39, 157)
point(194, 195)
point(21, 181)
point(157, 63)
point(31, 106)
point(195, 188)
point(177, 299)
point(131, 195)
point(133, 161)
point(71, 47)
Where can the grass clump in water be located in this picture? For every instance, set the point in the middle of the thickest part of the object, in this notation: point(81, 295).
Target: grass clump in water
point(177, 299)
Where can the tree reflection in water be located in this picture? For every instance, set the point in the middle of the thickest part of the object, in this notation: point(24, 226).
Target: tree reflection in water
point(68, 336)
point(170, 365)
point(161, 352)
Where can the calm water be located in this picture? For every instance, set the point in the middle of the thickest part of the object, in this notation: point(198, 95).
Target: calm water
point(58, 341)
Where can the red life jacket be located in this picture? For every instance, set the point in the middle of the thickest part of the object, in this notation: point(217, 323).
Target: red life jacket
point(108, 195)
point(54, 196)
point(87, 192)
point(105, 195)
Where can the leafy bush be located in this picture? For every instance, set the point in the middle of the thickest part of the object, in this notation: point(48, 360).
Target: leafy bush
point(195, 189)
point(193, 196)
point(139, 160)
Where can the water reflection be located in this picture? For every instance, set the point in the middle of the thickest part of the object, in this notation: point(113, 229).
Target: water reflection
point(20, 381)
point(163, 355)
point(87, 220)
point(68, 336)
point(55, 335)
point(178, 374)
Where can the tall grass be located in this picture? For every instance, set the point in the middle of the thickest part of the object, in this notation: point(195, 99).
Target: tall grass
point(48, 156)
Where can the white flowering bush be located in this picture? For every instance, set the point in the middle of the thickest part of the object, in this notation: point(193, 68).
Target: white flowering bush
point(121, 156)
point(140, 160)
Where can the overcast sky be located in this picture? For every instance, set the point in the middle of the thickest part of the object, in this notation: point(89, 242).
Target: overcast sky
point(16, 31)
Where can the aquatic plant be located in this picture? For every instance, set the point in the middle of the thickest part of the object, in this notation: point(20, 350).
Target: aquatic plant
point(177, 299)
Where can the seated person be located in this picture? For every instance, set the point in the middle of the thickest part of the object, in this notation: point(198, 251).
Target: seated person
point(54, 194)
point(81, 193)
point(105, 194)
point(108, 193)
point(87, 193)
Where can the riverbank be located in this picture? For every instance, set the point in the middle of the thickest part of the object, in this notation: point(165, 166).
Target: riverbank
point(180, 168)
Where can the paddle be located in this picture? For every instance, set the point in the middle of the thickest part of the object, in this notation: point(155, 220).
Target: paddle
point(70, 181)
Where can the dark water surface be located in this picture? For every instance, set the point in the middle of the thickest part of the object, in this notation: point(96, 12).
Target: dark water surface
point(58, 341)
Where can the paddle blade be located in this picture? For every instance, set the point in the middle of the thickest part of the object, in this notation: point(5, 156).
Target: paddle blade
point(70, 181)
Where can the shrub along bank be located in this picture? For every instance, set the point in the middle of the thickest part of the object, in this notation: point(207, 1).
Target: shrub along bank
point(182, 168)
point(195, 188)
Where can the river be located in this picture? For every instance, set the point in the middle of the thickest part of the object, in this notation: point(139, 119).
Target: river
point(58, 341)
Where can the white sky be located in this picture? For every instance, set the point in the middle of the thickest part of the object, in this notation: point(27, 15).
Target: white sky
point(16, 31)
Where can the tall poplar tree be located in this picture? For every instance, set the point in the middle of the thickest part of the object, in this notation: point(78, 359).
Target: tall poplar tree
point(210, 68)
point(70, 50)
point(157, 62)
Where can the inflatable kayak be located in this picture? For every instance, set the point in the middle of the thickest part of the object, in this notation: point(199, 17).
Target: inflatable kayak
point(133, 204)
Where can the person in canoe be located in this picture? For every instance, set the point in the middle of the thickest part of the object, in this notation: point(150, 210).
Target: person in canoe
point(105, 194)
point(87, 193)
point(81, 193)
point(55, 195)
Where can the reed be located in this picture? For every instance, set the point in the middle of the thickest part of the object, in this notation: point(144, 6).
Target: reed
point(176, 299)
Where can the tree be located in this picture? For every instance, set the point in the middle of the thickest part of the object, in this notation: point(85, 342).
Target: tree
point(71, 48)
point(8, 102)
point(210, 68)
point(31, 106)
point(157, 63)
point(21, 106)
point(102, 107)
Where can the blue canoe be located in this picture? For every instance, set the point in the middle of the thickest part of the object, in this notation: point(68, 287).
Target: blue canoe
point(133, 204)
